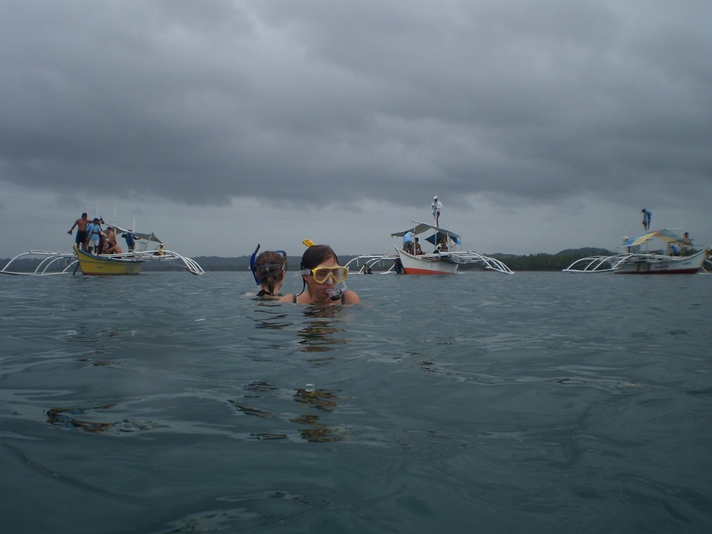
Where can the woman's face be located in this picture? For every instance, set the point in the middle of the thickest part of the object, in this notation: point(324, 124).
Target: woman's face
point(318, 291)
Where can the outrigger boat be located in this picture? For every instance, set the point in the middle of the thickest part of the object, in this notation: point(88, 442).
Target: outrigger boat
point(633, 261)
point(43, 263)
point(445, 259)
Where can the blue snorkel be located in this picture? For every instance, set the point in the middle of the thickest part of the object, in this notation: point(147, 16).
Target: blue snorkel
point(252, 264)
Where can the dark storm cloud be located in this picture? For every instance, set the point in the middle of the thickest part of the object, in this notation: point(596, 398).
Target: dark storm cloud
point(327, 101)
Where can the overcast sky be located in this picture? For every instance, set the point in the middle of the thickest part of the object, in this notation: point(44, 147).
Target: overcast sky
point(541, 124)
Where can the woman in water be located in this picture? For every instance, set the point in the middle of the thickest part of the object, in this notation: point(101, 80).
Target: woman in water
point(323, 279)
point(268, 270)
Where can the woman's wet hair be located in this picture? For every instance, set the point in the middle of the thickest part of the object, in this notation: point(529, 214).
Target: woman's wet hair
point(269, 269)
point(316, 255)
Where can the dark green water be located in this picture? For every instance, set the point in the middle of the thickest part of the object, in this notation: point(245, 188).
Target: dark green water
point(478, 403)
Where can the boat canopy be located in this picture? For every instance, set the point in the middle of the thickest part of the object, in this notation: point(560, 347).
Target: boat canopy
point(665, 235)
point(421, 227)
point(146, 237)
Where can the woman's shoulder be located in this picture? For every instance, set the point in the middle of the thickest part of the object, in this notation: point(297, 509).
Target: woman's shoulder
point(351, 297)
point(288, 298)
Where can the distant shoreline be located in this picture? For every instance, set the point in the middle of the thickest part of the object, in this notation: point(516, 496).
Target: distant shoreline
point(530, 262)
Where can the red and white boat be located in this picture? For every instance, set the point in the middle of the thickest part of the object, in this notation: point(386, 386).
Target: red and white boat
point(445, 257)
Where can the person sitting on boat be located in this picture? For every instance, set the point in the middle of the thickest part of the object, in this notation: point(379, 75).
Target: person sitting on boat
point(268, 270)
point(675, 250)
point(687, 248)
point(94, 234)
point(418, 249)
point(111, 247)
point(130, 239)
point(442, 245)
point(81, 226)
point(321, 274)
point(160, 250)
point(408, 242)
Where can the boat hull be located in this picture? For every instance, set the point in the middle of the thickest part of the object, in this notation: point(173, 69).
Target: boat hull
point(419, 265)
point(91, 265)
point(657, 264)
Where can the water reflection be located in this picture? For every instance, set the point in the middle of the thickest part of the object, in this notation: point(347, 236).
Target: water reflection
point(270, 317)
point(311, 427)
point(317, 431)
point(79, 419)
point(320, 329)
point(67, 418)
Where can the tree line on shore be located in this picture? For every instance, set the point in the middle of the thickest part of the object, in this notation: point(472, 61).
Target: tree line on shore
point(531, 262)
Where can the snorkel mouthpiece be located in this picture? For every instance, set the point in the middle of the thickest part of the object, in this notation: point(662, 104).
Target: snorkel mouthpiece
point(336, 292)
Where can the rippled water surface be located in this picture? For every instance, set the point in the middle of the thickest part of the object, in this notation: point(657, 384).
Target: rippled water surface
point(168, 403)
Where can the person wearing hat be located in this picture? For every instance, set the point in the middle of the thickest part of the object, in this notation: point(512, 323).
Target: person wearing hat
point(94, 232)
point(436, 206)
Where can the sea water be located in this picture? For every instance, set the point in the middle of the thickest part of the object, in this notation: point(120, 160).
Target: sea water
point(539, 402)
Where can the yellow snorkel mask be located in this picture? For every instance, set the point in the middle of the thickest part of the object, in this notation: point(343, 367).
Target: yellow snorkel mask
point(321, 275)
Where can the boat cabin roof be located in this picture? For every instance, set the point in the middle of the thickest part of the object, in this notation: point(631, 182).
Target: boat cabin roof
point(668, 236)
point(421, 227)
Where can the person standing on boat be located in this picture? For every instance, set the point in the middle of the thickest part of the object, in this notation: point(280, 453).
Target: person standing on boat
point(130, 239)
point(408, 242)
point(647, 217)
point(81, 225)
point(94, 232)
point(436, 206)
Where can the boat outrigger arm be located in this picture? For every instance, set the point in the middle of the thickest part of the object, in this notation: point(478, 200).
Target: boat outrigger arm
point(49, 263)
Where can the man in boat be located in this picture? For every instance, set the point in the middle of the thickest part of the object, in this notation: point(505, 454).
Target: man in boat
point(94, 232)
point(442, 245)
point(111, 247)
point(130, 238)
point(436, 207)
point(647, 217)
point(408, 242)
point(81, 225)
point(418, 249)
point(687, 248)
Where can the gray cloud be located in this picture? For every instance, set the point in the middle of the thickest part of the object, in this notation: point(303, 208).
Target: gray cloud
point(337, 102)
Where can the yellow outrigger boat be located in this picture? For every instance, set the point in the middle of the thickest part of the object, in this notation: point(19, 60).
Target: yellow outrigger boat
point(43, 263)
point(114, 264)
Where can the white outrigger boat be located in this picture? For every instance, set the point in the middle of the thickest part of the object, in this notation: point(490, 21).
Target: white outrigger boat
point(673, 261)
point(44, 263)
point(445, 259)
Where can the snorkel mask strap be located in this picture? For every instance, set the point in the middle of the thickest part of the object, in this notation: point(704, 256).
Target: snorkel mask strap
point(252, 264)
